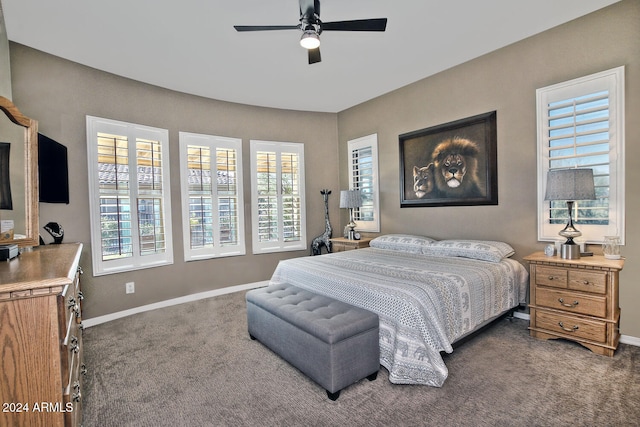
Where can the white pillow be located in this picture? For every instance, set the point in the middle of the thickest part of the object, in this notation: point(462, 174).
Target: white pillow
point(401, 242)
point(486, 250)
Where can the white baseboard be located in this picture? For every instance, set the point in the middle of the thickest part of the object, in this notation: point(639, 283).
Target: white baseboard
point(521, 315)
point(628, 339)
point(87, 323)
point(624, 339)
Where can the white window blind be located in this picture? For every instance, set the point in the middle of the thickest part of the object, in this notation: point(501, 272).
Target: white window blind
point(212, 203)
point(363, 173)
point(278, 206)
point(130, 222)
point(581, 126)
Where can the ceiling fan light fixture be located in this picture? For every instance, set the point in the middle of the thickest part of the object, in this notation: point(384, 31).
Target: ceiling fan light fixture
point(310, 40)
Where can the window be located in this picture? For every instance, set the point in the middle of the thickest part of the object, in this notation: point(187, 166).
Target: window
point(363, 176)
point(130, 215)
point(212, 204)
point(277, 203)
point(581, 124)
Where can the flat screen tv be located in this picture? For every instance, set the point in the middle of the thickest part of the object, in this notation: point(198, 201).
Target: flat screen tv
point(53, 171)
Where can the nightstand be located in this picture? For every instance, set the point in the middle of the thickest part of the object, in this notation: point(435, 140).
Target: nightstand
point(576, 300)
point(340, 244)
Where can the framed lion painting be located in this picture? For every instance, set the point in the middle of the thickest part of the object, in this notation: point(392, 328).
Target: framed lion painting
point(453, 164)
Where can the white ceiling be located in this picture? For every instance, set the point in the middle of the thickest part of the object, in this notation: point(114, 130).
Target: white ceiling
point(191, 46)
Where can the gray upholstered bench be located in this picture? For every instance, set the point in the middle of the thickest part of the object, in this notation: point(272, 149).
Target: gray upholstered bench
point(333, 343)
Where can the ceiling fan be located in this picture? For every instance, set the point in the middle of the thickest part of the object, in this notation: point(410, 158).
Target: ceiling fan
point(311, 27)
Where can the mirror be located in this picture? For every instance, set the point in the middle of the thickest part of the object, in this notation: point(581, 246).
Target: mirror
point(19, 147)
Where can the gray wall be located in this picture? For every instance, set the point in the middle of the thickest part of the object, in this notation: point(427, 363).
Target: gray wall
point(59, 94)
point(506, 81)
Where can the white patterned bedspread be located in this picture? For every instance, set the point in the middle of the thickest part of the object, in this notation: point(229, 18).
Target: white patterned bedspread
point(424, 303)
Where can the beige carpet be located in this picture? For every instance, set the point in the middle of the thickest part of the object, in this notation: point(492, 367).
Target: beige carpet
point(194, 365)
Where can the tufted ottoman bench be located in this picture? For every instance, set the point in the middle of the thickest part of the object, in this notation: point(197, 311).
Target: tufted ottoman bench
point(333, 343)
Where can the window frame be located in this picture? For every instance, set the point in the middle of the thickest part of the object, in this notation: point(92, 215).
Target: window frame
point(96, 125)
point(613, 81)
point(369, 141)
point(280, 245)
point(218, 250)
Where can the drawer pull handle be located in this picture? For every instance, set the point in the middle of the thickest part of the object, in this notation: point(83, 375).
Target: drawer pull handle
point(575, 327)
point(573, 305)
point(551, 277)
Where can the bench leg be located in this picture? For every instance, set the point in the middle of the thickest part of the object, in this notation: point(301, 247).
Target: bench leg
point(333, 396)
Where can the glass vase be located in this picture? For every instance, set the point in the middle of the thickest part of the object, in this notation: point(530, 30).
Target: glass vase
point(611, 247)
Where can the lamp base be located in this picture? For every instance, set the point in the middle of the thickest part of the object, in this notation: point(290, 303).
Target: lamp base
point(569, 251)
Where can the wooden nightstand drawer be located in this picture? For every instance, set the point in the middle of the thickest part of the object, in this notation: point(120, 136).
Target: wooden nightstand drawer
point(550, 276)
point(573, 326)
point(573, 302)
point(588, 281)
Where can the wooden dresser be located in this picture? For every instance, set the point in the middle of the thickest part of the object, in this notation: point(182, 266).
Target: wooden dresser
point(41, 337)
point(576, 300)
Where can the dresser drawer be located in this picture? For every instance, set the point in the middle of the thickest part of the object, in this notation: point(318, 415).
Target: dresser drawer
point(588, 281)
point(573, 302)
point(72, 395)
point(572, 326)
point(550, 276)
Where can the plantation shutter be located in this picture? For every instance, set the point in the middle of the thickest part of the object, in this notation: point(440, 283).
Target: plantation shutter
point(130, 202)
point(278, 202)
point(581, 125)
point(363, 174)
point(213, 218)
point(579, 138)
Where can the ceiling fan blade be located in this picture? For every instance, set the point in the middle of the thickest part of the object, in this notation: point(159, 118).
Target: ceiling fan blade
point(379, 24)
point(242, 28)
point(314, 55)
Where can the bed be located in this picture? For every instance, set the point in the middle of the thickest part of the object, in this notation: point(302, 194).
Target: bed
point(428, 294)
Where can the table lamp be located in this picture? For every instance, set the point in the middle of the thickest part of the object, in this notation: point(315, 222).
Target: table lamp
point(350, 199)
point(570, 185)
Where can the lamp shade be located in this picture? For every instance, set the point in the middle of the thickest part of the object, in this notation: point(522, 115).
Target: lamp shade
point(570, 184)
point(350, 199)
point(5, 183)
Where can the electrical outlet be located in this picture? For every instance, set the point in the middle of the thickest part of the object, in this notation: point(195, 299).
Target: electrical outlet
point(130, 287)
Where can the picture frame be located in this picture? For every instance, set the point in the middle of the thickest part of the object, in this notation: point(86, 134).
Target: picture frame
point(452, 164)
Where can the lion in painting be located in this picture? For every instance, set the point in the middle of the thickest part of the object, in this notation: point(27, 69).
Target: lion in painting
point(455, 168)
